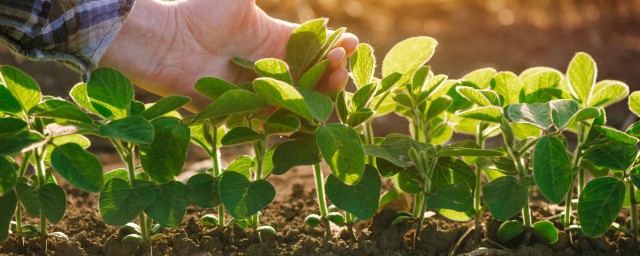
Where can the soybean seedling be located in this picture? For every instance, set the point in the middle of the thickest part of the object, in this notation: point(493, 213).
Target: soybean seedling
point(154, 132)
point(45, 130)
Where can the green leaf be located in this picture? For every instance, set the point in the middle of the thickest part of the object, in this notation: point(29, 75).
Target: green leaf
point(509, 230)
point(537, 114)
point(305, 43)
point(110, 93)
point(407, 56)
point(274, 68)
point(137, 107)
point(80, 96)
point(22, 86)
point(17, 143)
point(457, 197)
point(459, 151)
point(80, 168)
point(449, 171)
point(608, 92)
point(481, 78)
point(505, 197)
point(599, 205)
point(311, 78)
point(242, 62)
point(170, 204)
point(341, 147)
point(616, 135)
point(363, 96)
point(242, 165)
point(10, 126)
point(294, 153)
point(53, 201)
point(244, 198)
point(563, 112)
point(239, 135)
point(282, 95)
point(409, 181)
point(612, 154)
point(633, 130)
point(387, 82)
point(27, 191)
point(489, 114)
point(164, 158)
point(213, 87)
point(121, 173)
point(438, 106)
point(231, 102)
point(552, 168)
point(48, 198)
point(634, 102)
point(329, 44)
point(281, 122)
point(582, 72)
point(202, 190)
point(359, 116)
point(380, 152)
point(546, 230)
point(473, 95)
point(320, 106)
point(8, 175)
point(120, 203)
point(536, 80)
point(134, 129)
point(9, 202)
point(8, 103)
point(360, 199)
point(362, 64)
point(165, 105)
point(60, 109)
point(508, 86)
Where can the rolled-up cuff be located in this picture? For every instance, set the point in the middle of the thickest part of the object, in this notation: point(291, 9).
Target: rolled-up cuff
point(76, 33)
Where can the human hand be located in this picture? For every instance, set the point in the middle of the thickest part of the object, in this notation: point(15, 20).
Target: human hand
point(165, 47)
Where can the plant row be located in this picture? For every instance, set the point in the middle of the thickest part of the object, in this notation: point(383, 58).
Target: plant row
point(552, 129)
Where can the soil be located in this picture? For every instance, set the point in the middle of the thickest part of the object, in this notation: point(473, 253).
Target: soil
point(88, 235)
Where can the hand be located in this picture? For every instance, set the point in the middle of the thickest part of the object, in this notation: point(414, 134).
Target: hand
point(165, 47)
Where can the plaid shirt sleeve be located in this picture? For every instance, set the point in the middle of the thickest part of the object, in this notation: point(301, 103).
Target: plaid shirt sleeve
point(75, 32)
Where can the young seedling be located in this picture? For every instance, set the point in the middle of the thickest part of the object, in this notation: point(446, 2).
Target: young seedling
point(289, 86)
point(154, 132)
point(46, 131)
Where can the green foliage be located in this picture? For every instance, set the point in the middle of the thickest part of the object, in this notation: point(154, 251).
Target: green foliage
point(599, 205)
point(134, 129)
point(582, 72)
point(202, 190)
point(552, 168)
point(242, 197)
point(169, 205)
point(505, 197)
point(120, 203)
point(80, 168)
point(359, 199)
point(9, 202)
point(164, 158)
point(341, 147)
point(110, 93)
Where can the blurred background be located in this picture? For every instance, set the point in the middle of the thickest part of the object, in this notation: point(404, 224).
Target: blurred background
point(504, 34)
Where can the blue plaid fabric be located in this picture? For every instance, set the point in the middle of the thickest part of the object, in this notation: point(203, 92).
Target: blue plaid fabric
point(75, 32)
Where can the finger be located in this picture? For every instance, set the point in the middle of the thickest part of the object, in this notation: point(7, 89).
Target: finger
point(336, 56)
point(349, 42)
point(337, 80)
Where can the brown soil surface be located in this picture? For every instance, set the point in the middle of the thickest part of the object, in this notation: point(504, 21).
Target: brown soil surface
point(90, 236)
